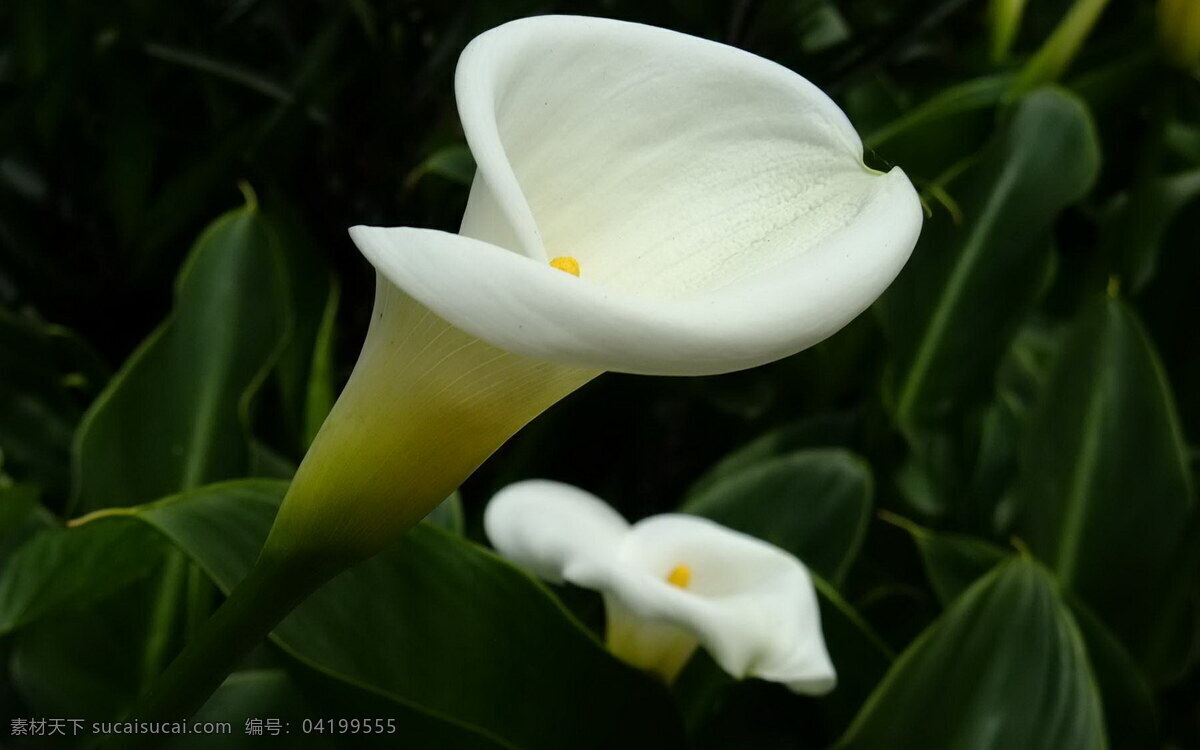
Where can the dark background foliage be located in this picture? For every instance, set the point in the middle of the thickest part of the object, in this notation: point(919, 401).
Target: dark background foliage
point(126, 128)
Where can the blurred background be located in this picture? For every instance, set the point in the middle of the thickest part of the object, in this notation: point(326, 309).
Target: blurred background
point(1070, 220)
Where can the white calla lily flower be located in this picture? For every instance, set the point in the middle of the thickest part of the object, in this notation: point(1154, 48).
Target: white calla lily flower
point(645, 202)
point(671, 583)
point(712, 208)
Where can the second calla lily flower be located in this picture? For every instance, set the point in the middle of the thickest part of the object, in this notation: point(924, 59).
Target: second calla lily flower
point(671, 583)
point(645, 202)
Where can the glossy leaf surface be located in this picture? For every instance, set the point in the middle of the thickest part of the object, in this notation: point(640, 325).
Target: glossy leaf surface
point(1105, 495)
point(955, 308)
point(441, 627)
point(1004, 667)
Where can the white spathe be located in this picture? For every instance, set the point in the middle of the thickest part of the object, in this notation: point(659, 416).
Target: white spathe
point(717, 204)
point(751, 605)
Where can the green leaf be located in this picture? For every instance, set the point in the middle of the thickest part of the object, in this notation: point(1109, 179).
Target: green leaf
point(21, 515)
point(1004, 667)
point(1105, 496)
point(250, 699)
point(60, 569)
point(311, 717)
point(337, 698)
point(85, 665)
point(953, 562)
point(175, 415)
point(814, 504)
point(259, 694)
point(956, 307)
point(818, 431)
point(441, 627)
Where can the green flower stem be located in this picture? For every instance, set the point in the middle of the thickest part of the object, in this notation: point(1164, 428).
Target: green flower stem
point(273, 588)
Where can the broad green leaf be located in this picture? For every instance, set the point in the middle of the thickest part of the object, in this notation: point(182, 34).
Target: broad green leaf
point(1105, 497)
point(21, 515)
point(814, 504)
point(957, 305)
point(86, 664)
point(245, 701)
point(250, 699)
point(439, 626)
point(337, 698)
point(1005, 667)
point(820, 431)
point(953, 562)
point(61, 569)
point(175, 415)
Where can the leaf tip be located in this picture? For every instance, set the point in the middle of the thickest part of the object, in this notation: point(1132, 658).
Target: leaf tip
point(1113, 290)
point(248, 195)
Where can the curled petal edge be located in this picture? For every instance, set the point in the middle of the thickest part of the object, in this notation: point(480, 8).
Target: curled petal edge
point(527, 307)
